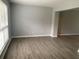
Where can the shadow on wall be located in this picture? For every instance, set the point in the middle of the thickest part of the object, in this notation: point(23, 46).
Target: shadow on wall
point(69, 22)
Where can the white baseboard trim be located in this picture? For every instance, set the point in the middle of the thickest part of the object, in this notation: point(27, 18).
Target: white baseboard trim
point(68, 34)
point(29, 36)
point(54, 35)
point(5, 47)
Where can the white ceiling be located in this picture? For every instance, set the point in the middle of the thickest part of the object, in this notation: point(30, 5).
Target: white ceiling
point(49, 3)
point(57, 4)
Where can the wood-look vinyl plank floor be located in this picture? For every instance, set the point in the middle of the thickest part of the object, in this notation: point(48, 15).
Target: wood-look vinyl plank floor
point(65, 47)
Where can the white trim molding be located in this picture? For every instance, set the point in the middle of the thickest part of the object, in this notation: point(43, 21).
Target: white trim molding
point(25, 36)
point(68, 34)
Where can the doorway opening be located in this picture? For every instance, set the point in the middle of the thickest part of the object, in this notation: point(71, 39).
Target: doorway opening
point(68, 23)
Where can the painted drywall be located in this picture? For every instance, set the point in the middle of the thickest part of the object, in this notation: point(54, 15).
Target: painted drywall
point(69, 22)
point(30, 20)
point(55, 21)
point(58, 5)
point(45, 3)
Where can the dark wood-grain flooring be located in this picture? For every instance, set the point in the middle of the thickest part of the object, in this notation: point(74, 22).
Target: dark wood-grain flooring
point(65, 47)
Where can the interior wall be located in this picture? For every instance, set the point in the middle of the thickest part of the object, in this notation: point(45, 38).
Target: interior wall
point(55, 21)
point(30, 20)
point(69, 22)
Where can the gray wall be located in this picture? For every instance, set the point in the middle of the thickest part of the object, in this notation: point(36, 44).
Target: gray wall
point(69, 22)
point(30, 20)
